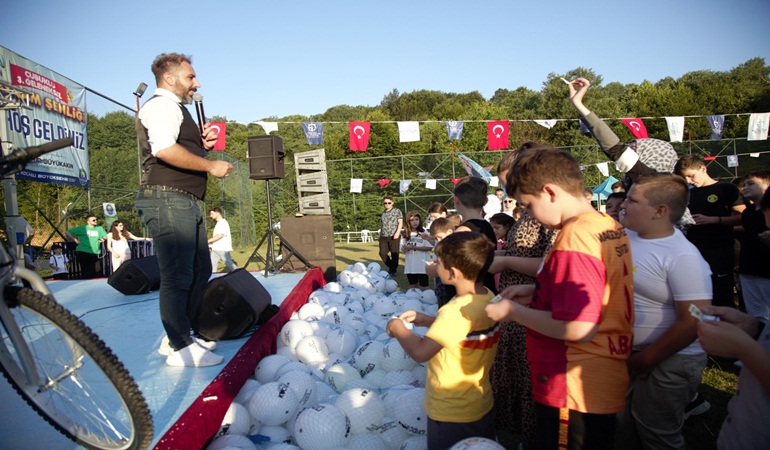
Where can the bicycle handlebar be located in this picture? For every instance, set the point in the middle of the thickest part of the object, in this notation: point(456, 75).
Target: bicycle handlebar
point(21, 156)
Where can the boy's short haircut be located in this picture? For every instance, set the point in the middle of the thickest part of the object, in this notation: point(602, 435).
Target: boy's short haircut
point(620, 195)
point(541, 165)
point(763, 175)
point(388, 197)
point(441, 225)
point(56, 247)
point(469, 252)
point(455, 219)
point(437, 208)
point(216, 209)
point(688, 162)
point(666, 189)
point(472, 192)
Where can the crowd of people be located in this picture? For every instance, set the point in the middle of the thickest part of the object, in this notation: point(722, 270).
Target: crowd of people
point(599, 330)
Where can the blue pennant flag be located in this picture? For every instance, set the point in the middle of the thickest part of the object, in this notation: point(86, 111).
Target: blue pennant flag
point(717, 123)
point(454, 130)
point(314, 132)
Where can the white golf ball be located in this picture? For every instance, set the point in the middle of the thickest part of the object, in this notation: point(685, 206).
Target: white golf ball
point(364, 408)
point(367, 356)
point(302, 383)
point(477, 443)
point(410, 412)
point(236, 421)
point(395, 358)
point(268, 366)
point(273, 403)
point(311, 350)
point(339, 375)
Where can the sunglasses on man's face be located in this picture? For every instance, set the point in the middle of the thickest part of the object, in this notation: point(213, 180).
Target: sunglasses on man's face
point(387, 203)
point(508, 201)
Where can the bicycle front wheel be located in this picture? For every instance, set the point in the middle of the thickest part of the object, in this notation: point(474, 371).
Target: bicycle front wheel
point(84, 391)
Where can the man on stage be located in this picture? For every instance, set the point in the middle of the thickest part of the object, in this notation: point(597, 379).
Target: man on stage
point(174, 173)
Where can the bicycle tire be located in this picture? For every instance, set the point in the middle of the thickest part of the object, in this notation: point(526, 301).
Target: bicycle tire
point(97, 404)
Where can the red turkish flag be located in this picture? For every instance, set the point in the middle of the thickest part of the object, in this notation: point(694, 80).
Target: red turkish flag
point(383, 182)
point(220, 128)
point(455, 180)
point(359, 136)
point(709, 158)
point(637, 127)
point(497, 134)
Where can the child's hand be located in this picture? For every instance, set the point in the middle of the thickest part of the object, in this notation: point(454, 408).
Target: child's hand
point(722, 338)
point(521, 294)
point(500, 311)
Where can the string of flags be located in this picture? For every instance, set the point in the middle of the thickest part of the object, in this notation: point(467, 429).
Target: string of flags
point(498, 130)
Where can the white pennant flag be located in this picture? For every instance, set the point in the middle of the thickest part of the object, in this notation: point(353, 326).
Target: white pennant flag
point(604, 168)
point(494, 181)
point(546, 123)
point(754, 155)
point(408, 131)
point(403, 186)
point(758, 124)
point(356, 184)
point(732, 160)
point(430, 184)
point(268, 126)
point(675, 128)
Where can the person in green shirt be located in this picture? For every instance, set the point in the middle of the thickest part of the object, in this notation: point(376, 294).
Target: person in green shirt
point(89, 238)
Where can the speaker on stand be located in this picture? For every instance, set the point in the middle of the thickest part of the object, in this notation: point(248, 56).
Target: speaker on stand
point(265, 155)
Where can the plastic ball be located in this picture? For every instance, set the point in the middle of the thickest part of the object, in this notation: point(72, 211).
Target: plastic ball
point(391, 285)
point(323, 393)
point(366, 442)
point(268, 366)
point(342, 341)
point(339, 375)
point(360, 267)
point(345, 276)
point(311, 349)
point(273, 403)
point(232, 441)
point(364, 408)
point(421, 373)
point(284, 446)
point(410, 412)
point(294, 330)
point(395, 358)
point(248, 389)
point(334, 314)
point(236, 421)
point(374, 267)
point(355, 321)
point(311, 311)
point(390, 397)
point(332, 287)
point(477, 443)
point(398, 378)
point(375, 377)
point(414, 293)
point(411, 303)
point(392, 433)
point(429, 296)
point(385, 307)
point(287, 353)
point(293, 365)
point(367, 356)
point(302, 383)
point(322, 427)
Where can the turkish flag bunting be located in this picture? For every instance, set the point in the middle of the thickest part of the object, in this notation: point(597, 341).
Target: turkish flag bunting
point(497, 134)
point(359, 136)
point(383, 181)
point(637, 127)
point(455, 180)
point(220, 128)
point(709, 158)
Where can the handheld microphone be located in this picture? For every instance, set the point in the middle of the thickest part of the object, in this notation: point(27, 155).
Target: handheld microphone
point(199, 109)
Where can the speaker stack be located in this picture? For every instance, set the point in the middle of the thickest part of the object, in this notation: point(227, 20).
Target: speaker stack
point(312, 183)
point(265, 154)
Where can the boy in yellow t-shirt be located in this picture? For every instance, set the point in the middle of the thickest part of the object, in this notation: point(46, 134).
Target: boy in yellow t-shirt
point(460, 344)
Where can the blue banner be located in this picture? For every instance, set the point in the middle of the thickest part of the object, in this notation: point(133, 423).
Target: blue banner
point(56, 109)
point(454, 130)
point(314, 132)
point(717, 123)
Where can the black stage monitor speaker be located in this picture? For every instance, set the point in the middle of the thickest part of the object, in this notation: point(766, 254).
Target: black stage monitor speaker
point(265, 155)
point(230, 305)
point(136, 276)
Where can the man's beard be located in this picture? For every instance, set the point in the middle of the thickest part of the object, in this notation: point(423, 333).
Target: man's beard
point(183, 93)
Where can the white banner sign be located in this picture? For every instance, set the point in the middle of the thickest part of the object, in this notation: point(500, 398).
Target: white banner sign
point(57, 109)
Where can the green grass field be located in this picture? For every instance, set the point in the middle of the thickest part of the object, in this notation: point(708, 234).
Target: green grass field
point(719, 379)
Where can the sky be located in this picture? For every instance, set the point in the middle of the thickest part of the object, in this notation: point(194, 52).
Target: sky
point(259, 59)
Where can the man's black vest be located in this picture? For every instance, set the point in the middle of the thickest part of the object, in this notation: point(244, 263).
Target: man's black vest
point(157, 172)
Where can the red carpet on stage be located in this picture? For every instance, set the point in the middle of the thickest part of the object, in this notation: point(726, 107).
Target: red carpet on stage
point(200, 422)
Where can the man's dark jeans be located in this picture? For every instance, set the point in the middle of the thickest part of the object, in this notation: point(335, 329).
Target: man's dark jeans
point(389, 249)
point(179, 235)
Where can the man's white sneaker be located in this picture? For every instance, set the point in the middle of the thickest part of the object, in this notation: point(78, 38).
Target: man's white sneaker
point(165, 347)
point(193, 356)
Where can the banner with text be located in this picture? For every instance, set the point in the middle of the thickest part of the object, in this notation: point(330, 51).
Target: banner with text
point(57, 109)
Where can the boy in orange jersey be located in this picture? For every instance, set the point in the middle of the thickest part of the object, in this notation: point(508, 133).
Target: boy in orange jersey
point(579, 314)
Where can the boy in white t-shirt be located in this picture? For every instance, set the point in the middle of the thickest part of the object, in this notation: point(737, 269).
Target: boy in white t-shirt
point(59, 263)
point(670, 276)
